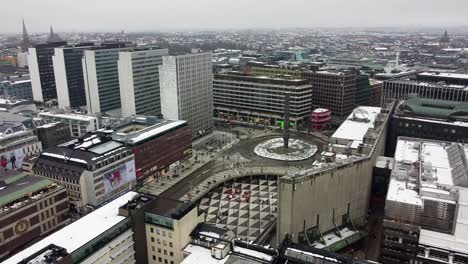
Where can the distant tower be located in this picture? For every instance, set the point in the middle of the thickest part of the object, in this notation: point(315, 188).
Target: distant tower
point(286, 121)
point(26, 42)
point(445, 40)
point(53, 37)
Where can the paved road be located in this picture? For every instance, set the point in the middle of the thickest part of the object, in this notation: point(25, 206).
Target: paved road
point(181, 188)
point(245, 149)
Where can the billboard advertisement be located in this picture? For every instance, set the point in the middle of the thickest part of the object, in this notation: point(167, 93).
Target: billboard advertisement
point(12, 160)
point(119, 176)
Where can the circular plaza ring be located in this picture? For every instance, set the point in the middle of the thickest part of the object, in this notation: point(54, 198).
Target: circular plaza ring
point(274, 149)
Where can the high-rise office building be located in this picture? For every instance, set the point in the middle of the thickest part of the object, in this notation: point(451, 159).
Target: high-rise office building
point(68, 70)
point(41, 70)
point(101, 78)
point(187, 90)
point(139, 81)
point(334, 90)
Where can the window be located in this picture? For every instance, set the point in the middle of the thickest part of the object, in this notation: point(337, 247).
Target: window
point(154, 257)
point(165, 252)
point(160, 259)
point(169, 234)
point(164, 233)
point(152, 239)
point(171, 253)
point(159, 241)
point(152, 230)
point(159, 250)
point(157, 231)
point(170, 244)
point(153, 248)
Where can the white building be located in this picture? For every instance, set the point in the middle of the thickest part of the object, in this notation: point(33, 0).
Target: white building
point(426, 210)
point(139, 81)
point(22, 59)
point(101, 78)
point(187, 90)
point(102, 236)
point(79, 124)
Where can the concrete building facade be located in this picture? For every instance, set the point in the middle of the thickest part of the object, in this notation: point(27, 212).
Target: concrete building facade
point(93, 169)
point(30, 207)
point(403, 89)
point(139, 81)
point(335, 196)
point(187, 90)
point(261, 100)
point(168, 225)
point(18, 87)
point(79, 125)
point(102, 236)
point(156, 144)
point(53, 134)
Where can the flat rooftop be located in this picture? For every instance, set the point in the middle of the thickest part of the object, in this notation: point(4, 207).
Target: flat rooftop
point(71, 116)
point(171, 208)
point(148, 132)
point(445, 75)
point(355, 127)
point(18, 185)
point(260, 79)
point(427, 169)
point(86, 150)
point(80, 232)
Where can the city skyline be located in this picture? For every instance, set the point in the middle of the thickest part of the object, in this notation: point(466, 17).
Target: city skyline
point(209, 14)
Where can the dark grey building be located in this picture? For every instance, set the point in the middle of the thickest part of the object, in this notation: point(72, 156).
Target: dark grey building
point(53, 134)
point(41, 70)
point(429, 119)
point(18, 87)
point(68, 71)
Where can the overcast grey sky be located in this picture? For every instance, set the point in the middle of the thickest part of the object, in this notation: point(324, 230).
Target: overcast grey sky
point(135, 15)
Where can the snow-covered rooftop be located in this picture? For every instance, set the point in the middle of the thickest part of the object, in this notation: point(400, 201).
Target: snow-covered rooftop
point(199, 255)
point(424, 165)
point(69, 116)
point(445, 75)
point(355, 126)
point(154, 131)
point(80, 232)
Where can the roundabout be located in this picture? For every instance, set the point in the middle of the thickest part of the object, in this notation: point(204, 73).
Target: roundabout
point(274, 149)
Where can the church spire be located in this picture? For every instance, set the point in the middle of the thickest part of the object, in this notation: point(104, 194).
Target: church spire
point(53, 37)
point(26, 42)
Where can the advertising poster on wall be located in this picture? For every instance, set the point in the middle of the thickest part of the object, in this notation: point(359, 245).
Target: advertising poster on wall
point(119, 176)
point(12, 160)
